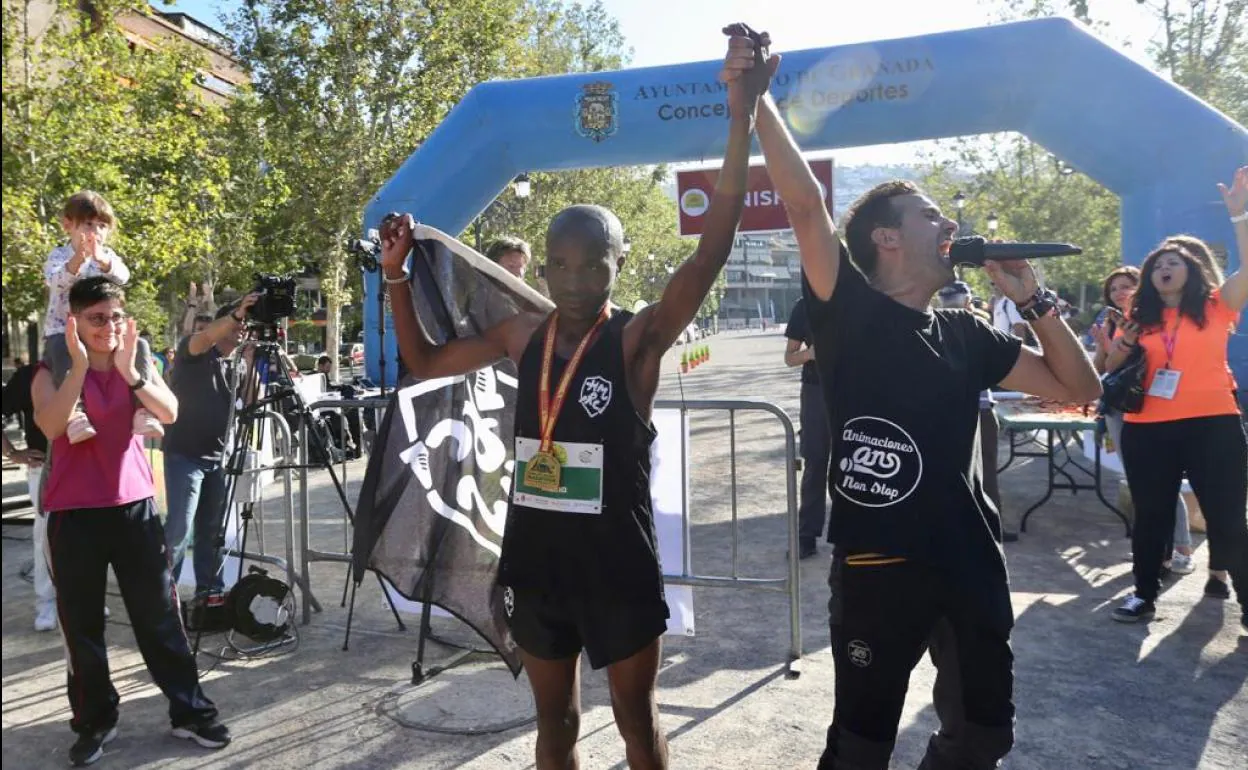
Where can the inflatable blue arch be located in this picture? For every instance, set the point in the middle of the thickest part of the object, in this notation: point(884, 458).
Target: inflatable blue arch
point(1152, 143)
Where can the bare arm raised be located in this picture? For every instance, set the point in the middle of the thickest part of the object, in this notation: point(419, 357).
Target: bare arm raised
point(1235, 288)
point(812, 224)
point(649, 335)
point(422, 357)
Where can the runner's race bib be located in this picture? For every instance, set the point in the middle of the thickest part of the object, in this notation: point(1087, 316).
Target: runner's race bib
point(580, 482)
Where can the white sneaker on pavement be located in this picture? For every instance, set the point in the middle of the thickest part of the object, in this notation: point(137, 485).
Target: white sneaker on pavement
point(1182, 564)
point(45, 618)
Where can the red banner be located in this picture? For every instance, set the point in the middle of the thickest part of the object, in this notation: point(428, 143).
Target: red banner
point(764, 211)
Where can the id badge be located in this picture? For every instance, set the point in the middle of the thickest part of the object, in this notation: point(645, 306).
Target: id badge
point(1165, 383)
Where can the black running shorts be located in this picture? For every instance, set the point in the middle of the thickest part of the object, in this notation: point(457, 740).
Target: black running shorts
point(556, 627)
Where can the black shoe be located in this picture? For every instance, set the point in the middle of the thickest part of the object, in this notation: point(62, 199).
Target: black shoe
point(1009, 537)
point(806, 548)
point(210, 735)
point(1134, 610)
point(90, 746)
point(1217, 589)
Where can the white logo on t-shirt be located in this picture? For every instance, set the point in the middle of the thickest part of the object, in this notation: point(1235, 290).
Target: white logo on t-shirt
point(880, 465)
point(595, 395)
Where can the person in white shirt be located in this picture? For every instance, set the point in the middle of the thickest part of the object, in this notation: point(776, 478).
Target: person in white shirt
point(87, 219)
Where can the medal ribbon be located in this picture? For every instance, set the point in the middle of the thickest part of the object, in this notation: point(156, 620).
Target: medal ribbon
point(1169, 341)
point(548, 411)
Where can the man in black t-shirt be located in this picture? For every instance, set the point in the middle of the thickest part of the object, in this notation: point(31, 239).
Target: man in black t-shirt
point(816, 439)
point(917, 559)
point(195, 488)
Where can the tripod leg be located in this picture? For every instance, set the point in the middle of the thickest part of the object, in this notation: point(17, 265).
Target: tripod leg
point(344, 587)
point(393, 609)
point(418, 667)
point(346, 641)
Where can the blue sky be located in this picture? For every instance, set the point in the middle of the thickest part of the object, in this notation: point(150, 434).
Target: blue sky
point(672, 31)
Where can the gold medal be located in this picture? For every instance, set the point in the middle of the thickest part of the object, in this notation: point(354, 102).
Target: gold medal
point(543, 471)
point(544, 468)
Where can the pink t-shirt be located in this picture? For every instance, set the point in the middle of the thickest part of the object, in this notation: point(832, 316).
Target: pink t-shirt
point(109, 469)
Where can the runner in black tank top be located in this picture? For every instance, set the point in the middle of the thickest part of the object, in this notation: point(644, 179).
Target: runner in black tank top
point(609, 557)
point(579, 559)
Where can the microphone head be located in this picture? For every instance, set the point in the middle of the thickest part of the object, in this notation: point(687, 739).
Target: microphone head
point(968, 251)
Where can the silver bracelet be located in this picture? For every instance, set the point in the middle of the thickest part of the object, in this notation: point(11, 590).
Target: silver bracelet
point(402, 279)
point(1240, 218)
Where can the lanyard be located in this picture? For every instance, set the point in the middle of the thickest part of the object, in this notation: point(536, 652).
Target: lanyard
point(548, 411)
point(1169, 341)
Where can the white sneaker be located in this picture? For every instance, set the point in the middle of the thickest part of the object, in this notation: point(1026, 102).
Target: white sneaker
point(1182, 564)
point(45, 618)
point(79, 428)
point(144, 424)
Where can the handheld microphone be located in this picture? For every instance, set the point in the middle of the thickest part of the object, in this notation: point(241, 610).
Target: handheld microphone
point(974, 250)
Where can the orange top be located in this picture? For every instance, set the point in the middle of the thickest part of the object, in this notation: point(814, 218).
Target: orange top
point(1206, 385)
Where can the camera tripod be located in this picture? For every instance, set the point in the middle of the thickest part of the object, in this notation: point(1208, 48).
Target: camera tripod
point(261, 380)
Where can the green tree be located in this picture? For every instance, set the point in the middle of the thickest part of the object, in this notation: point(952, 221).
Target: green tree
point(85, 109)
point(1203, 46)
point(346, 90)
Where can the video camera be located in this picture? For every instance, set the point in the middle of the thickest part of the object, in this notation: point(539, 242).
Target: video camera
point(277, 298)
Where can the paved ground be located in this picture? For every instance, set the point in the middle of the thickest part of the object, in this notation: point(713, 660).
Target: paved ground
point(1091, 693)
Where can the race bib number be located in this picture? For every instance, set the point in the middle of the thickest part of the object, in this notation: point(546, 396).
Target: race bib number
point(1165, 383)
point(580, 479)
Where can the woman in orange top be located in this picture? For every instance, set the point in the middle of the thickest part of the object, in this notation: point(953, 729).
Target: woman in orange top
point(1117, 291)
point(1190, 422)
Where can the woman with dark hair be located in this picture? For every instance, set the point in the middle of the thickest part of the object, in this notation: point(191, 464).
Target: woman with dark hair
point(1117, 291)
point(1190, 422)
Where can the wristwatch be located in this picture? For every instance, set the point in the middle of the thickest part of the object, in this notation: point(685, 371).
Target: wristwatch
point(139, 384)
point(1041, 304)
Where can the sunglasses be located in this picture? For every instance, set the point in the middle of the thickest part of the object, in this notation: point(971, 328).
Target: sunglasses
point(100, 320)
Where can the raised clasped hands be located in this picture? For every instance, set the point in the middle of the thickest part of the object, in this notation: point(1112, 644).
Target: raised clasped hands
point(748, 67)
point(396, 242)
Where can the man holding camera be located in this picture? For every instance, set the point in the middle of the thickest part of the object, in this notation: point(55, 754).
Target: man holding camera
point(193, 446)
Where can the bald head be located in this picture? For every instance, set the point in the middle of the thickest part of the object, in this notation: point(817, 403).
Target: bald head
point(597, 229)
point(584, 251)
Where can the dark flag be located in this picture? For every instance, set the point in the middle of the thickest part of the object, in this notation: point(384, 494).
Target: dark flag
point(434, 499)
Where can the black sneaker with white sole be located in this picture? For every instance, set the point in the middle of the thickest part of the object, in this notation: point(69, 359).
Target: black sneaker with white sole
point(1135, 610)
point(90, 746)
point(210, 735)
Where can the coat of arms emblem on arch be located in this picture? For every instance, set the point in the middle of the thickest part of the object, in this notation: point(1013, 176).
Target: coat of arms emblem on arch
point(597, 111)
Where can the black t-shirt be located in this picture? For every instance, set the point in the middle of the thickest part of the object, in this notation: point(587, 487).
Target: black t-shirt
point(798, 329)
point(903, 402)
point(611, 555)
point(17, 400)
point(202, 386)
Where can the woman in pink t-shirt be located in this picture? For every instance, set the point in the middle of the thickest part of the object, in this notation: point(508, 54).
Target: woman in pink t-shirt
point(100, 513)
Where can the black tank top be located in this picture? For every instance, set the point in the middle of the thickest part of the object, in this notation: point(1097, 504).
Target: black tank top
point(612, 554)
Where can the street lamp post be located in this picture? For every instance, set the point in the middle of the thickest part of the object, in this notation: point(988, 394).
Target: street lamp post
point(959, 203)
point(522, 188)
point(993, 224)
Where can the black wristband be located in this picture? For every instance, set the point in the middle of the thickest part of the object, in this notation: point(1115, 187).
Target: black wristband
point(139, 384)
point(1042, 303)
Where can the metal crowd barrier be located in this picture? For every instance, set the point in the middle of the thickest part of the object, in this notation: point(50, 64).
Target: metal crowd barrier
point(789, 585)
point(309, 554)
point(247, 488)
